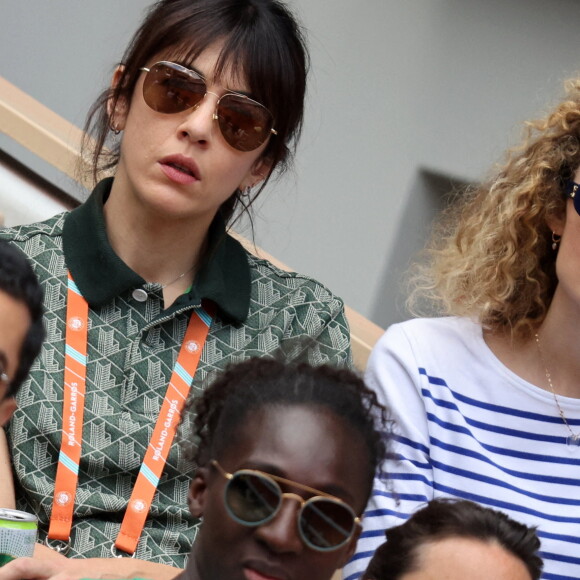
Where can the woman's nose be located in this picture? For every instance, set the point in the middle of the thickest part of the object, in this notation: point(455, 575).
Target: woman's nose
point(281, 533)
point(198, 123)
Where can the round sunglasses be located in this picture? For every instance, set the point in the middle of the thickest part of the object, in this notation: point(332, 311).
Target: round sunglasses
point(253, 498)
point(171, 88)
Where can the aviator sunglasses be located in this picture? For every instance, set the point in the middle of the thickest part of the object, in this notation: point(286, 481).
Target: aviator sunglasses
point(171, 88)
point(253, 498)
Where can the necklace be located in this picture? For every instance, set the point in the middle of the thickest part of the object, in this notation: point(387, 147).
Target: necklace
point(573, 440)
point(178, 278)
point(140, 294)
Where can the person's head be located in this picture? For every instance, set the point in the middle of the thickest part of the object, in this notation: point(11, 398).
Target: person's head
point(21, 326)
point(457, 539)
point(491, 256)
point(267, 428)
point(259, 50)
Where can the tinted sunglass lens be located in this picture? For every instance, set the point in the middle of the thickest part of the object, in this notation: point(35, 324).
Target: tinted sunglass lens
point(168, 90)
point(252, 499)
point(244, 124)
point(326, 524)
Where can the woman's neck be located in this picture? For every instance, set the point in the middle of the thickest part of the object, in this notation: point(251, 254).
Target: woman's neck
point(157, 249)
point(559, 345)
point(162, 250)
point(556, 351)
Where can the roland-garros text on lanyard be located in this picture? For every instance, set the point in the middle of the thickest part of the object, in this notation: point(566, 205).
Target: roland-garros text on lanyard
point(73, 409)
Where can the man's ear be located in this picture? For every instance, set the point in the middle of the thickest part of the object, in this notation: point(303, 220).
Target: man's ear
point(118, 110)
point(198, 492)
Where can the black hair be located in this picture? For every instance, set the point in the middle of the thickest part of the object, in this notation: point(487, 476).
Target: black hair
point(445, 518)
point(263, 43)
point(259, 382)
point(19, 281)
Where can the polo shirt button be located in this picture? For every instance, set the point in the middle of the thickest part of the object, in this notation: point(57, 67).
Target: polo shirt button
point(140, 295)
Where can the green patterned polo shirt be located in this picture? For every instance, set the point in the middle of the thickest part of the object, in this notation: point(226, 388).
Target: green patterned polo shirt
point(131, 352)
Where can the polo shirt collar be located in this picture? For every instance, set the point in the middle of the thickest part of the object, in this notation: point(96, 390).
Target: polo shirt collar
point(101, 275)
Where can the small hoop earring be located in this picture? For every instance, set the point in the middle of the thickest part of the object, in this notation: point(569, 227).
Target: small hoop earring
point(115, 129)
point(247, 191)
point(555, 240)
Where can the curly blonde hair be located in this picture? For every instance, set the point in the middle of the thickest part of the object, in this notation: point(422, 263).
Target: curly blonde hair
point(490, 256)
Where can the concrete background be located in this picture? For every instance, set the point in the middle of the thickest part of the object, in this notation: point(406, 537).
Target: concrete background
point(406, 100)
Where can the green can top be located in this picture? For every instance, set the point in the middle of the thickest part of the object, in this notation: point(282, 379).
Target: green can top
point(17, 520)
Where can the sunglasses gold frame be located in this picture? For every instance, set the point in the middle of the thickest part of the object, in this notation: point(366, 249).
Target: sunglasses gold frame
point(317, 494)
point(198, 77)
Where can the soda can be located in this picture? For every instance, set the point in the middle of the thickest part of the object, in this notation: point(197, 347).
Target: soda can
point(18, 532)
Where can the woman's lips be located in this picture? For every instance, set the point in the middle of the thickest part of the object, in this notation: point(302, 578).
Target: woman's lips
point(180, 169)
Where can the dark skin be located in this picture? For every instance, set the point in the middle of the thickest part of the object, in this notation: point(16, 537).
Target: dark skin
point(308, 445)
point(16, 321)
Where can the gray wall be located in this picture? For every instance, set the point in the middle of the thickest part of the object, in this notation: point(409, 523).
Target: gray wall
point(405, 99)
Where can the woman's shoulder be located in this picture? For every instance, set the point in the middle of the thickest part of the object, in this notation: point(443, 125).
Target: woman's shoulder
point(433, 338)
point(290, 285)
point(442, 328)
point(438, 347)
point(51, 227)
point(301, 306)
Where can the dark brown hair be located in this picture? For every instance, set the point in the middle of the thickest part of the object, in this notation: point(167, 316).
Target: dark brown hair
point(447, 518)
point(263, 43)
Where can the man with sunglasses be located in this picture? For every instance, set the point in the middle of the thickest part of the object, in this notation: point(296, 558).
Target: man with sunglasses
point(286, 455)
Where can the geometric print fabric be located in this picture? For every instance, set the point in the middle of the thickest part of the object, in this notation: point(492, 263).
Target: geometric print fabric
point(131, 353)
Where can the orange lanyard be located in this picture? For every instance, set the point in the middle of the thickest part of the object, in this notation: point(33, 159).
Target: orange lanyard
point(73, 408)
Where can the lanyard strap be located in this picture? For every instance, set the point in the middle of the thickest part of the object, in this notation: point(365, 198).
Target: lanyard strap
point(163, 433)
point(75, 373)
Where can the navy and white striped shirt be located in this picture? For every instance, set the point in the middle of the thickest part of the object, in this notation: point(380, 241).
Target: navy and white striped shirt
point(468, 427)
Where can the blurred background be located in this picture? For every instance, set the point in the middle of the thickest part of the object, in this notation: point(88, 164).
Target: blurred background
point(407, 101)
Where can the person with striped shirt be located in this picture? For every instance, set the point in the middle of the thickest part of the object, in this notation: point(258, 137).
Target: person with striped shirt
point(486, 399)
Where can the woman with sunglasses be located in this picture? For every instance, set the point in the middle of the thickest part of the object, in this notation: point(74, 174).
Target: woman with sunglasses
point(487, 398)
point(286, 455)
point(143, 278)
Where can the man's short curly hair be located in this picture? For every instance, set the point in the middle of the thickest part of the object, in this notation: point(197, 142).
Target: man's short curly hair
point(259, 382)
